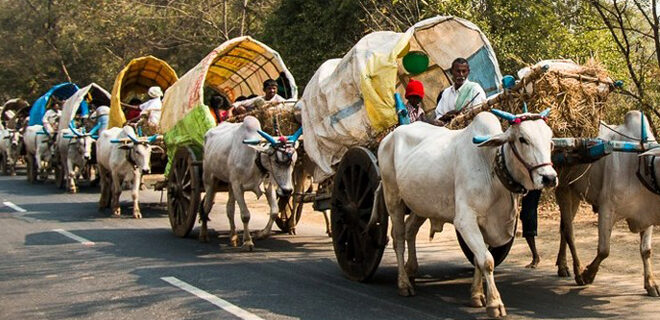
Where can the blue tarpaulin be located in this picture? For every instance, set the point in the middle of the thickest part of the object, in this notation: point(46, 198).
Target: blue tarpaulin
point(62, 91)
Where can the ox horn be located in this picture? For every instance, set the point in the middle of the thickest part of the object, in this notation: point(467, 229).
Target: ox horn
point(545, 113)
point(268, 137)
point(130, 136)
point(296, 135)
point(73, 129)
point(503, 114)
point(152, 139)
point(525, 107)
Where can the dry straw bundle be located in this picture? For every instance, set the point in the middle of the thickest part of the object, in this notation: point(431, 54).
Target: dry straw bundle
point(575, 93)
point(284, 113)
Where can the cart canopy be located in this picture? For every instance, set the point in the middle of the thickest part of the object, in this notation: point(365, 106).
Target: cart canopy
point(78, 103)
point(62, 91)
point(135, 79)
point(350, 101)
point(18, 106)
point(237, 67)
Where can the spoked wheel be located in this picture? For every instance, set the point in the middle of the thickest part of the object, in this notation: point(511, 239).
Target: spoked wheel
point(499, 253)
point(291, 207)
point(358, 248)
point(183, 191)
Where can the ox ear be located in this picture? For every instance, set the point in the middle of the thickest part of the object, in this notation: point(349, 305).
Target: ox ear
point(491, 141)
point(652, 152)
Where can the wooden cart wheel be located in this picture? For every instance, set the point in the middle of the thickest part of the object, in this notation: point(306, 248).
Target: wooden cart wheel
point(31, 168)
point(3, 164)
point(499, 253)
point(183, 191)
point(358, 248)
point(291, 207)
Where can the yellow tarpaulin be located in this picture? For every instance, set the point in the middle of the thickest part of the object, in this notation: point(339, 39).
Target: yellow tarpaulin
point(136, 78)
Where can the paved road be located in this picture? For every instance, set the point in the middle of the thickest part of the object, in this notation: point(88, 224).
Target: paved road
point(137, 269)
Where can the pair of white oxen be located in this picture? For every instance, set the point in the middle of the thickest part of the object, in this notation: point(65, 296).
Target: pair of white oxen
point(419, 162)
point(73, 149)
point(239, 154)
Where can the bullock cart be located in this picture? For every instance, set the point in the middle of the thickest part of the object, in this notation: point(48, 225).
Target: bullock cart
point(72, 129)
point(238, 67)
point(133, 81)
point(61, 92)
point(349, 107)
point(12, 117)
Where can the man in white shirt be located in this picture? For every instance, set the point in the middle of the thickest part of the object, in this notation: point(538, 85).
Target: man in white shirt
point(464, 94)
point(151, 110)
point(51, 118)
point(270, 96)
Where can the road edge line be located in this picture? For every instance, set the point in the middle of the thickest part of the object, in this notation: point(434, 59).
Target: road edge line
point(223, 304)
point(74, 237)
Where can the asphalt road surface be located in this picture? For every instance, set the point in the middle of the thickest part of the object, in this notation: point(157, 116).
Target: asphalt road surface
point(60, 258)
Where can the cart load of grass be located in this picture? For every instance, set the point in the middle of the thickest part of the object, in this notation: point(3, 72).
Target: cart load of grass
point(575, 93)
point(283, 114)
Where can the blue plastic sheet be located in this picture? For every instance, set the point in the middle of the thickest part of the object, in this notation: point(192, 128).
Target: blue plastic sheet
point(62, 91)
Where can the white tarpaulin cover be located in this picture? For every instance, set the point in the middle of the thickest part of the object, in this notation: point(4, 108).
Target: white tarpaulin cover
point(349, 101)
point(72, 104)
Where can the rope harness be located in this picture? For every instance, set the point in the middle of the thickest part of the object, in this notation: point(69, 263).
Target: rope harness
point(505, 176)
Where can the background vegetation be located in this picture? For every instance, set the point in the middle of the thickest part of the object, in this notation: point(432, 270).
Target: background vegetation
point(45, 42)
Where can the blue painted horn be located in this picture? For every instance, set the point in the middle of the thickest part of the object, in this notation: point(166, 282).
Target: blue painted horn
point(504, 115)
point(152, 139)
point(130, 136)
point(268, 137)
point(545, 113)
point(73, 129)
point(296, 135)
point(644, 136)
point(525, 107)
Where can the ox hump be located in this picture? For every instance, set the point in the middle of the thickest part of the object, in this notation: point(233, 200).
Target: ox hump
point(485, 123)
point(251, 124)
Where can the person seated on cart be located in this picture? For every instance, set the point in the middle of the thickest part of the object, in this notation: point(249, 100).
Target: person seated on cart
point(220, 108)
point(132, 109)
point(414, 95)
point(463, 94)
point(51, 118)
point(151, 111)
point(270, 97)
point(99, 120)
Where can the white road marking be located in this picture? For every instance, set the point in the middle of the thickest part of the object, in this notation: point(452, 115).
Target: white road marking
point(74, 237)
point(243, 314)
point(13, 206)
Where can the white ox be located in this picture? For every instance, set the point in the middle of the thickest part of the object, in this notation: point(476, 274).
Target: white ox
point(122, 157)
point(611, 186)
point(231, 155)
point(9, 139)
point(39, 148)
point(439, 174)
point(75, 150)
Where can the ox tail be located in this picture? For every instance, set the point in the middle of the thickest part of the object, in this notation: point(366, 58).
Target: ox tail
point(379, 206)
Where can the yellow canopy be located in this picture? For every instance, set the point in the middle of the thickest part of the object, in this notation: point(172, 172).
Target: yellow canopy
point(237, 67)
point(136, 78)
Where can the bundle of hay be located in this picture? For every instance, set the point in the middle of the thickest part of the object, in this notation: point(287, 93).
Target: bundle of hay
point(575, 93)
point(283, 113)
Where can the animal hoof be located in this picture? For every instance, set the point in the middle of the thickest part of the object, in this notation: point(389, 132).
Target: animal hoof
point(588, 275)
point(261, 235)
point(496, 311)
point(204, 237)
point(579, 280)
point(137, 215)
point(653, 291)
point(248, 246)
point(563, 272)
point(407, 292)
point(478, 301)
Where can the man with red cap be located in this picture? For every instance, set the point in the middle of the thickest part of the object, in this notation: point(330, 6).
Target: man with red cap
point(414, 95)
